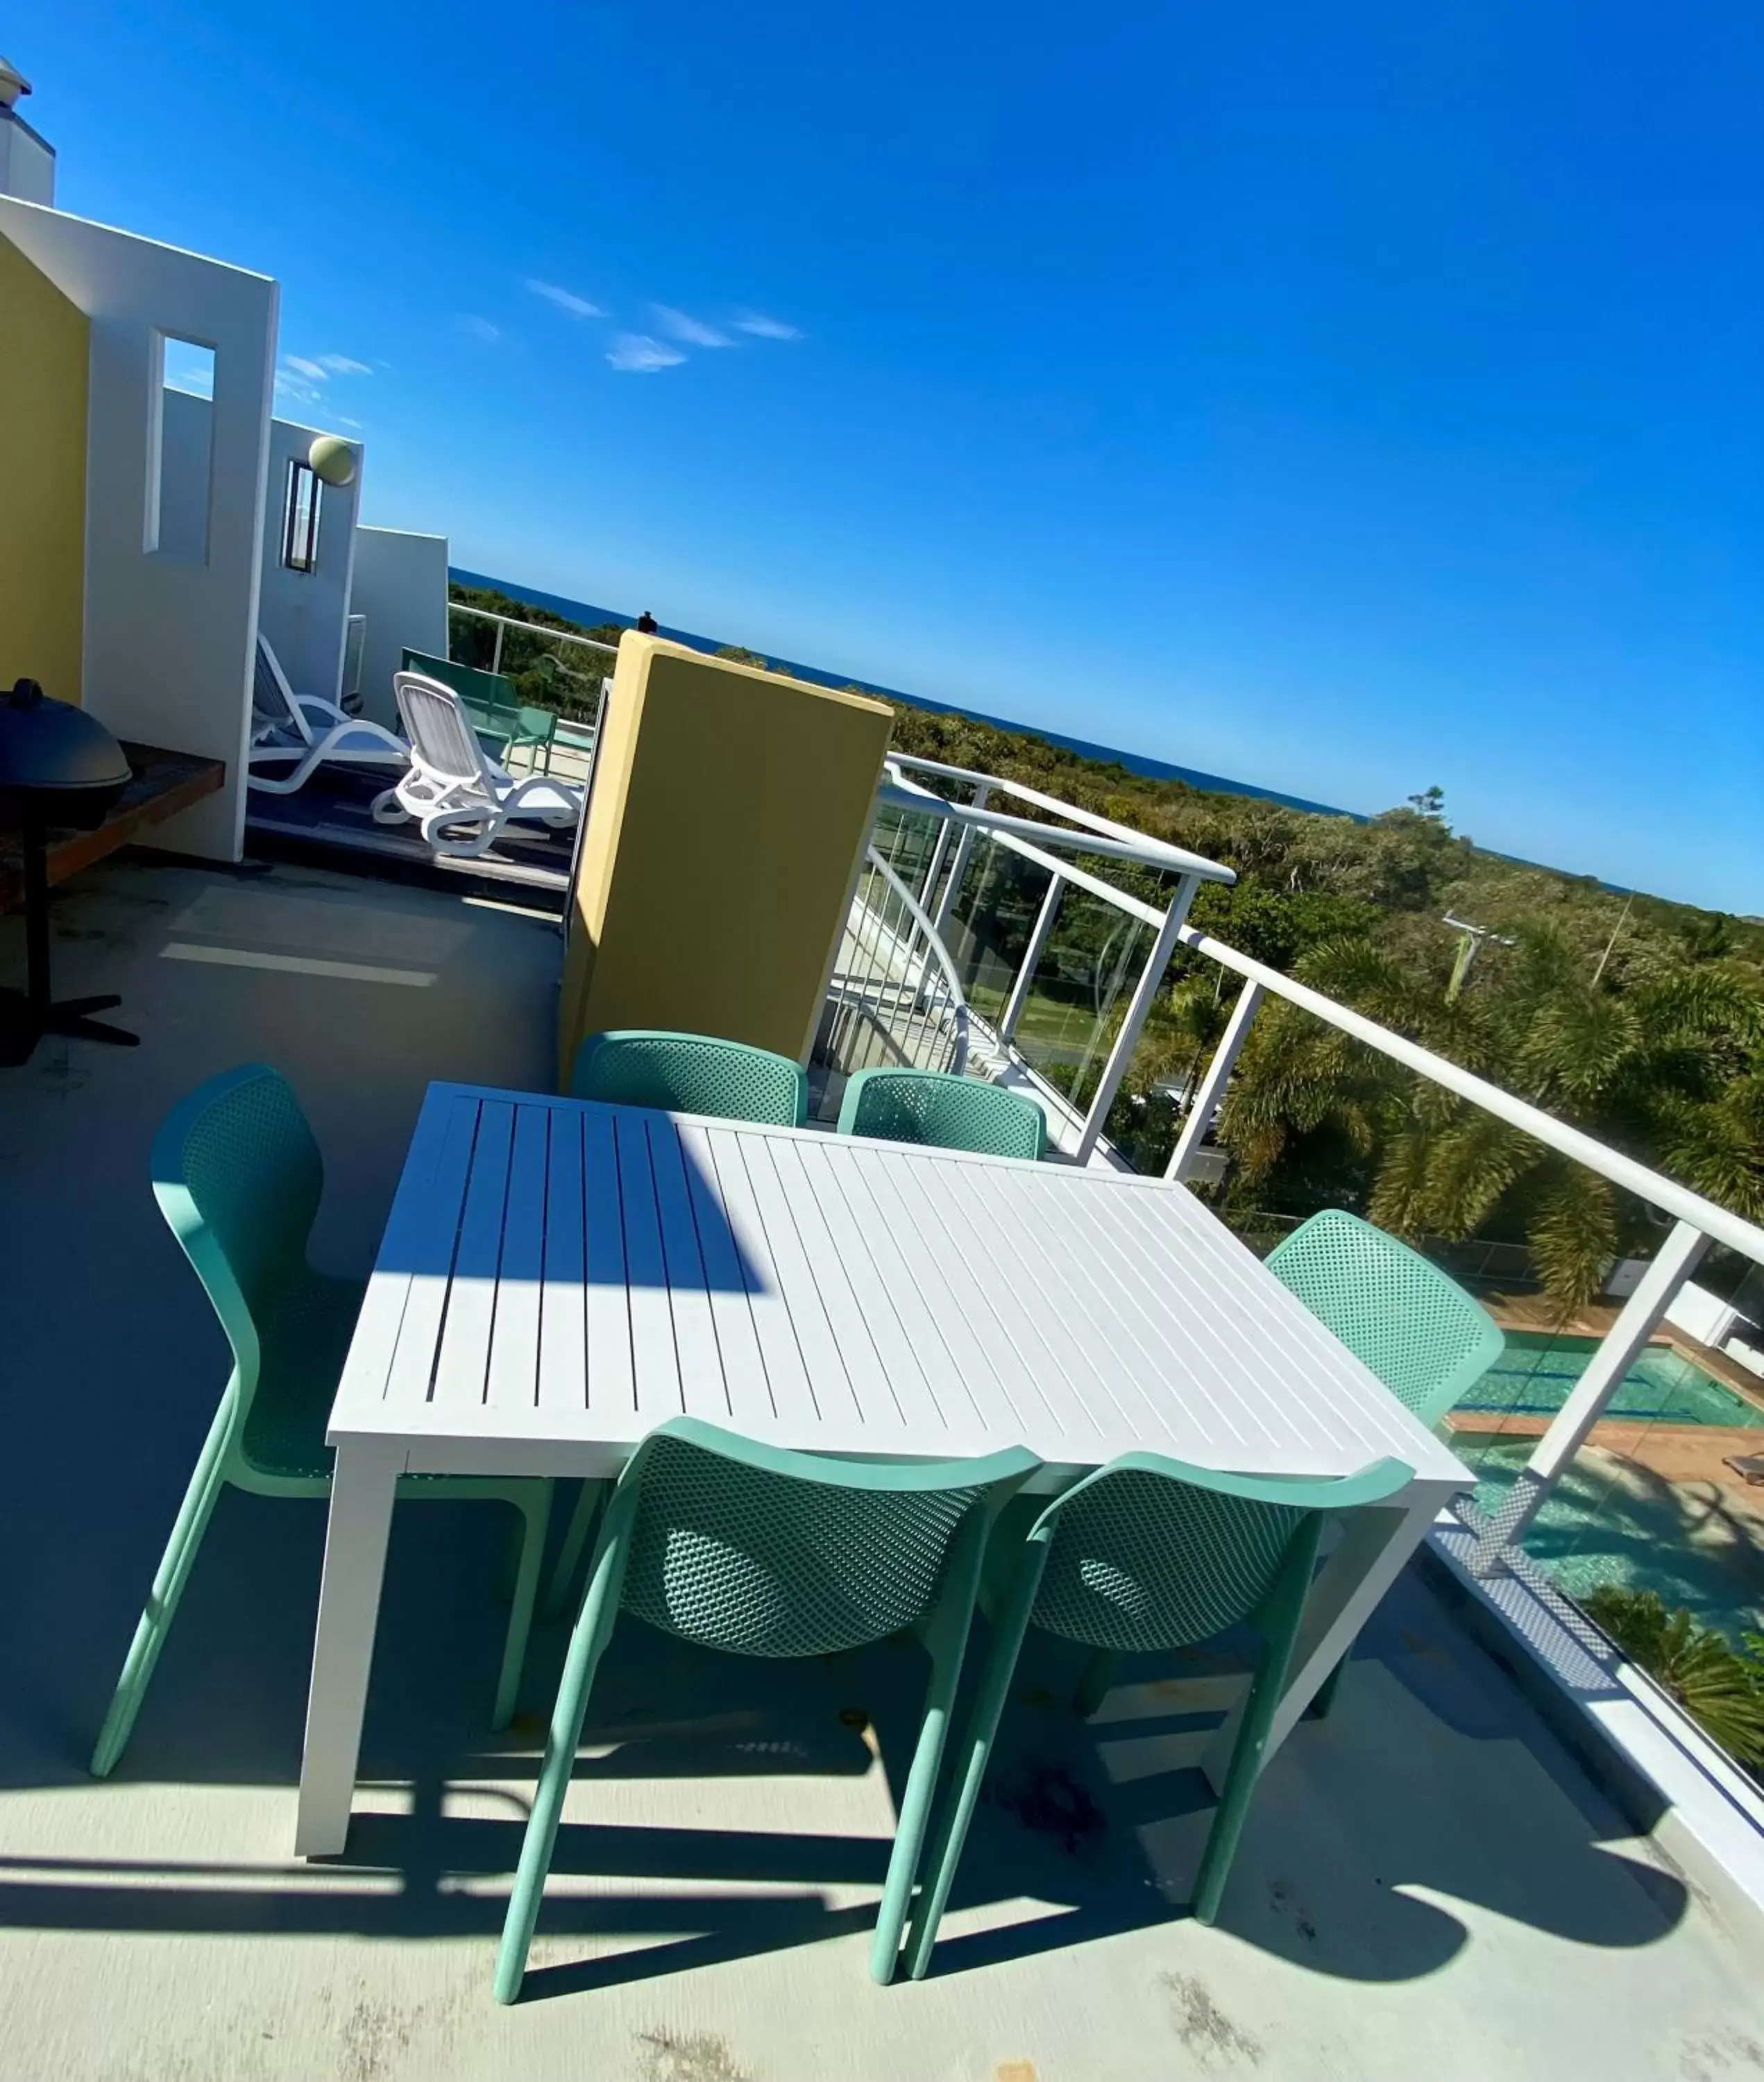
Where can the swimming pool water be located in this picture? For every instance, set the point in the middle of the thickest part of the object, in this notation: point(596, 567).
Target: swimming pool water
point(1535, 1375)
point(1611, 1524)
point(1610, 1521)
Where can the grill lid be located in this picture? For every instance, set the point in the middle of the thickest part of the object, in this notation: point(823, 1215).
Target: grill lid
point(52, 746)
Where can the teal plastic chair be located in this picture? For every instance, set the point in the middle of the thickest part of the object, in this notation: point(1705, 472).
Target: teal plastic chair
point(239, 1179)
point(931, 1107)
point(1427, 1340)
point(691, 1074)
point(1146, 1553)
point(649, 1066)
point(757, 1551)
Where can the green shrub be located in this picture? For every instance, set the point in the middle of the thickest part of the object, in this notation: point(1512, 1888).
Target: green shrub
point(1721, 1686)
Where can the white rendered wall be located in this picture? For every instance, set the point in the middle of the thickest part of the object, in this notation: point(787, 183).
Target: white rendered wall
point(186, 453)
point(167, 639)
point(401, 586)
point(27, 161)
point(1704, 1315)
point(304, 614)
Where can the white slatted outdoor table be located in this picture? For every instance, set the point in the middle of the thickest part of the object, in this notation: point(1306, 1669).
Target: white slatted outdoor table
point(557, 1277)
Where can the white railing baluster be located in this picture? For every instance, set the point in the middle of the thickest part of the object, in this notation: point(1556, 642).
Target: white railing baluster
point(1151, 980)
point(934, 866)
point(1624, 1343)
point(1036, 839)
point(1205, 1100)
point(1024, 980)
point(964, 846)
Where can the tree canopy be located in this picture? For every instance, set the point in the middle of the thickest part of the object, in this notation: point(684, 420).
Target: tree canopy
point(1636, 1019)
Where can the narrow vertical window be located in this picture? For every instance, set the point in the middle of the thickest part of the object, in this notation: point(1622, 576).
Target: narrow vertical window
point(300, 517)
point(180, 449)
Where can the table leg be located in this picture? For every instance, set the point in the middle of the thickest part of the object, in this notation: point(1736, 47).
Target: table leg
point(1375, 1545)
point(362, 1485)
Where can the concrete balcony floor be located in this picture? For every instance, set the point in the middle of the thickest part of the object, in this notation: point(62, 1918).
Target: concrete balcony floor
point(1428, 1885)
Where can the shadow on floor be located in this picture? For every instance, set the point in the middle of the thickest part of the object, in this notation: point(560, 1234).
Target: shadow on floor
point(1431, 1778)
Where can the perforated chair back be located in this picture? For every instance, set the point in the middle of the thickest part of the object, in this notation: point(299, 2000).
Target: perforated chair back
point(1150, 1554)
point(931, 1107)
point(691, 1074)
point(437, 727)
point(1147, 1553)
point(239, 1179)
point(761, 1552)
point(1427, 1340)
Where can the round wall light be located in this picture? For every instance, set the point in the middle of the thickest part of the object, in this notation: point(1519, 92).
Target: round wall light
point(333, 459)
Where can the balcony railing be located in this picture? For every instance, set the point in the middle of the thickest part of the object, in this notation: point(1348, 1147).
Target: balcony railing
point(990, 864)
point(578, 664)
point(893, 998)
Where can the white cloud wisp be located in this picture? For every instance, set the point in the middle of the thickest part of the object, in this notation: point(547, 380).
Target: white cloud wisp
point(681, 325)
point(761, 327)
point(566, 300)
point(636, 353)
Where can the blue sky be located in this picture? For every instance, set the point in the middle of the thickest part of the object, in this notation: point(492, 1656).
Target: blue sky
point(1347, 399)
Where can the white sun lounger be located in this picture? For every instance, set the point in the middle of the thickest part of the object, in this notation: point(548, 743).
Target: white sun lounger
point(457, 794)
point(308, 731)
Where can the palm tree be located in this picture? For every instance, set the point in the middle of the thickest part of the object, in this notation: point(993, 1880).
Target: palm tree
point(1717, 1685)
point(1667, 1067)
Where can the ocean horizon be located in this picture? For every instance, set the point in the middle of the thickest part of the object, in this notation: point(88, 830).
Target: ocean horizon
point(1134, 762)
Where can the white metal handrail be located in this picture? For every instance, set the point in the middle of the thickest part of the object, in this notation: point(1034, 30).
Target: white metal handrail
point(504, 621)
point(927, 936)
point(1697, 1218)
point(1107, 840)
point(893, 995)
point(1652, 1186)
point(1020, 791)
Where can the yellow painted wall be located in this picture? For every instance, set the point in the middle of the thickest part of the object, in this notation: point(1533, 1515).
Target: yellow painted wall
point(43, 363)
point(730, 807)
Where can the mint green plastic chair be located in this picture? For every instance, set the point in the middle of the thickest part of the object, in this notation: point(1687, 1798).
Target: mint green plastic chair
point(757, 1551)
point(691, 1074)
point(649, 1066)
point(1427, 1340)
point(239, 1179)
point(930, 1106)
point(1147, 1553)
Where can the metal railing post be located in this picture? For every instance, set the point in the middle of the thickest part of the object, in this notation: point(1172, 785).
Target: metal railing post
point(934, 865)
point(964, 846)
point(1640, 1317)
point(1204, 1101)
point(1023, 981)
point(496, 654)
point(1150, 977)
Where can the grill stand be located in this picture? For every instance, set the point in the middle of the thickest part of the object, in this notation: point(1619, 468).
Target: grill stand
point(26, 1016)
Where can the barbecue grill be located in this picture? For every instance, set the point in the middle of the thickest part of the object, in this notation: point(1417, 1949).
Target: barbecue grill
point(58, 767)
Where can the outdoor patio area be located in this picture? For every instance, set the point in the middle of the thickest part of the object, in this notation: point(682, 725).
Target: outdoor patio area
point(1429, 1880)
